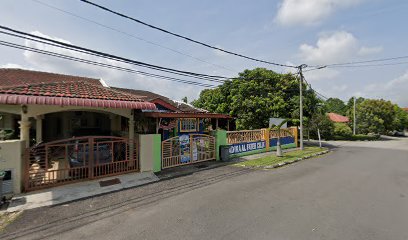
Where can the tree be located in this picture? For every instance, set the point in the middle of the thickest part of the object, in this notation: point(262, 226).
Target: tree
point(342, 129)
point(401, 119)
point(375, 116)
point(278, 144)
point(257, 95)
point(323, 123)
point(336, 105)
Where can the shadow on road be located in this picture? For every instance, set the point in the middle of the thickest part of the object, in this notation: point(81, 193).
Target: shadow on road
point(64, 224)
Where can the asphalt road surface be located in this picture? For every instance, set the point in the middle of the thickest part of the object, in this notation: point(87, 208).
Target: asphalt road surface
point(358, 191)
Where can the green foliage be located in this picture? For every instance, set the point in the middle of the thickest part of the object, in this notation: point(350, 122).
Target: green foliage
point(401, 119)
point(350, 103)
point(257, 95)
point(335, 105)
point(375, 116)
point(358, 137)
point(342, 129)
point(323, 123)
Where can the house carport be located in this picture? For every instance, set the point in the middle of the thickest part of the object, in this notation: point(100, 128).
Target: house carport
point(40, 172)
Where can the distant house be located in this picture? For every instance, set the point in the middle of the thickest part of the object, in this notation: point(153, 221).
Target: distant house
point(405, 109)
point(173, 118)
point(334, 117)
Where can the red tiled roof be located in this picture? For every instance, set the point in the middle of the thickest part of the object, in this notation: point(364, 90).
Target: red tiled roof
point(62, 90)
point(338, 118)
point(152, 97)
point(405, 109)
point(20, 77)
point(70, 90)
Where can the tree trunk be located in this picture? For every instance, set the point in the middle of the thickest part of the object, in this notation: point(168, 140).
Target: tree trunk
point(278, 148)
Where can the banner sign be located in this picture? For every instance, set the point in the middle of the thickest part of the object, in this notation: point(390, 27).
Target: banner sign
point(184, 148)
point(246, 147)
point(283, 141)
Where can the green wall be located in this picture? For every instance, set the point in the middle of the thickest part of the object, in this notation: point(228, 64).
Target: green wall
point(220, 139)
point(157, 153)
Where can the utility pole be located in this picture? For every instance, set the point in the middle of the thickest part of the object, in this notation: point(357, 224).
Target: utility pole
point(301, 105)
point(354, 117)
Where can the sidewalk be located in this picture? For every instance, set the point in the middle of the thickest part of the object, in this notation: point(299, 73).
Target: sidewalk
point(81, 190)
point(75, 191)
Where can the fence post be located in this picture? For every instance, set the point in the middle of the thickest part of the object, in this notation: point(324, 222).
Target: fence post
point(295, 135)
point(265, 136)
point(220, 139)
point(91, 150)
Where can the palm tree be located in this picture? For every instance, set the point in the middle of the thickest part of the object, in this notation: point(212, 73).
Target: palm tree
point(278, 145)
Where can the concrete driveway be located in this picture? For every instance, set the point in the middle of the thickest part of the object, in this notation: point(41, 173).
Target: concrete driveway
point(359, 191)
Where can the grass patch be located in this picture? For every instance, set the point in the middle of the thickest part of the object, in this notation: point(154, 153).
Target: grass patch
point(287, 157)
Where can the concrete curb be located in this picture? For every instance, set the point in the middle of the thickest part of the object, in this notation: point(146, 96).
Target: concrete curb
point(278, 165)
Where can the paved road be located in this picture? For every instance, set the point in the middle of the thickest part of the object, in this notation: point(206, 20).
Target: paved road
point(359, 191)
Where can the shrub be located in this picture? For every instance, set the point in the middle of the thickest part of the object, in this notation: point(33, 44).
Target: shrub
point(357, 137)
point(342, 129)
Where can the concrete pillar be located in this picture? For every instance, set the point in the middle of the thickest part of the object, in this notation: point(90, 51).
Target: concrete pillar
point(25, 129)
point(157, 125)
point(38, 128)
point(150, 152)
point(131, 138)
point(216, 124)
point(220, 139)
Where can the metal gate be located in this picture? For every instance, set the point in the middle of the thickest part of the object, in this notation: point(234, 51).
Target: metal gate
point(75, 159)
point(187, 149)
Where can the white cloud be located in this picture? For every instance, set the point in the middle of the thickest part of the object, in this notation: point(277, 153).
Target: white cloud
point(11, 65)
point(323, 74)
point(395, 90)
point(309, 12)
point(364, 51)
point(334, 47)
point(112, 77)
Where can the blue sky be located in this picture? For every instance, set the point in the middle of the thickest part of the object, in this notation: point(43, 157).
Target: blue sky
point(287, 31)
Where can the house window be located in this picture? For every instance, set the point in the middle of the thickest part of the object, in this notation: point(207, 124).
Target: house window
point(188, 125)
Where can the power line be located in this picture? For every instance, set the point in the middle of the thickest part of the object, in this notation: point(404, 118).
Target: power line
point(90, 62)
point(359, 63)
point(184, 37)
point(131, 35)
point(76, 50)
point(367, 61)
point(316, 92)
point(117, 58)
point(368, 65)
